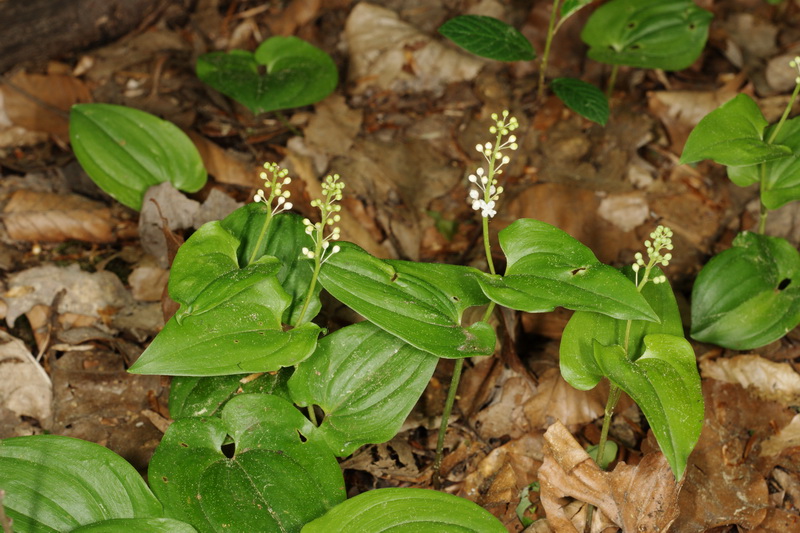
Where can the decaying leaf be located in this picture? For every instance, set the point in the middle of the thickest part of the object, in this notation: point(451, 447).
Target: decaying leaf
point(226, 166)
point(25, 388)
point(555, 399)
point(50, 217)
point(643, 497)
point(769, 380)
point(787, 437)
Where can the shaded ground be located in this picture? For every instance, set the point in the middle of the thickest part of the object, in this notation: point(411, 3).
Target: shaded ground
point(83, 276)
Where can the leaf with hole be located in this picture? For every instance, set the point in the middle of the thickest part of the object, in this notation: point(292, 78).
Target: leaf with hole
point(781, 176)
point(284, 72)
point(366, 381)
point(276, 476)
point(748, 295)
point(547, 268)
point(55, 483)
point(733, 135)
point(126, 151)
point(583, 98)
point(488, 37)
point(420, 303)
point(668, 34)
point(406, 509)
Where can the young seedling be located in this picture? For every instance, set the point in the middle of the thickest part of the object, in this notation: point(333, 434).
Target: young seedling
point(749, 295)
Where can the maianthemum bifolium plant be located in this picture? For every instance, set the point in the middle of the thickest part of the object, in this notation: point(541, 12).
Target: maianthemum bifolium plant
point(264, 400)
point(749, 295)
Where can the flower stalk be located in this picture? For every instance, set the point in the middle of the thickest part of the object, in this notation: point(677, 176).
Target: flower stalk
point(275, 179)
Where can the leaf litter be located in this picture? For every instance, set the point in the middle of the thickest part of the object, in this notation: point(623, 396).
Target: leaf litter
point(402, 127)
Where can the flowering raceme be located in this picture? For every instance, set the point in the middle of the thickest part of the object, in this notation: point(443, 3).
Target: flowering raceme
point(485, 197)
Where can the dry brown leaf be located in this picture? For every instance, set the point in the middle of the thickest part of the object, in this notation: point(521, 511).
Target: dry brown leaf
point(297, 13)
point(50, 217)
point(787, 437)
point(636, 498)
point(25, 388)
point(225, 165)
point(41, 102)
point(147, 282)
point(627, 211)
point(334, 126)
point(769, 380)
point(555, 399)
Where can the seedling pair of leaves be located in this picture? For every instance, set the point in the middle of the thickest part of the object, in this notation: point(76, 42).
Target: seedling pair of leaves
point(749, 295)
point(669, 35)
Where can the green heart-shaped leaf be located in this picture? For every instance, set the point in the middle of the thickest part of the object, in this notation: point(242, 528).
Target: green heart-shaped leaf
point(547, 268)
point(408, 510)
point(667, 34)
point(126, 151)
point(488, 37)
point(749, 295)
point(420, 303)
point(296, 74)
point(583, 98)
point(366, 381)
point(733, 135)
point(55, 483)
point(277, 479)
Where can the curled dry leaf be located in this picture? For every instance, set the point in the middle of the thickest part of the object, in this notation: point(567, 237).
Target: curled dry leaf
point(555, 399)
point(769, 380)
point(643, 497)
point(25, 388)
point(50, 217)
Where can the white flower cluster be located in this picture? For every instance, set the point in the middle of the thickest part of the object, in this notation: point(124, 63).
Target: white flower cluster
point(484, 198)
point(329, 216)
point(662, 240)
point(795, 64)
point(274, 178)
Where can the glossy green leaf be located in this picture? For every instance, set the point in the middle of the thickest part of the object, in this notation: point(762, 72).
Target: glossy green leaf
point(277, 478)
point(782, 176)
point(137, 525)
point(547, 268)
point(366, 381)
point(570, 7)
point(749, 295)
point(578, 364)
point(296, 74)
point(583, 98)
point(668, 34)
point(126, 151)
point(406, 510)
point(55, 483)
point(205, 396)
point(488, 37)
point(420, 303)
point(733, 135)
point(665, 384)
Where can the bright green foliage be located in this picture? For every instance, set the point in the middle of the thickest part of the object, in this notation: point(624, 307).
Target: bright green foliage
point(366, 381)
point(139, 525)
point(583, 98)
point(547, 268)
point(126, 151)
point(488, 37)
point(205, 396)
point(749, 295)
point(405, 510)
point(650, 361)
point(733, 134)
point(55, 483)
point(399, 297)
point(297, 74)
point(570, 7)
point(781, 176)
point(665, 34)
point(278, 477)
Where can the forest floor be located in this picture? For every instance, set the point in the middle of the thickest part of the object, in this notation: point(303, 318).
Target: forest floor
point(82, 277)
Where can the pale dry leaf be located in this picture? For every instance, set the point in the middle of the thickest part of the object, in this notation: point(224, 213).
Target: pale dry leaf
point(216, 206)
point(555, 399)
point(91, 294)
point(165, 201)
point(147, 282)
point(50, 217)
point(627, 211)
point(226, 166)
point(296, 13)
point(334, 126)
point(387, 53)
point(787, 437)
point(25, 388)
point(767, 379)
point(41, 102)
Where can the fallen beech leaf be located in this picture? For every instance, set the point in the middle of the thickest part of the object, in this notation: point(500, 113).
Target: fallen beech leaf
point(626, 211)
point(224, 165)
point(555, 399)
point(50, 217)
point(334, 126)
point(25, 388)
point(636, 498)
point(787, 437)
point(769, 380)
point(33, 101)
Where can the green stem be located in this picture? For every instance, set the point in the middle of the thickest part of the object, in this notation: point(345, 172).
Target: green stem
point(262, 234)
point(763, 211)
point(448, 408)
point(551, 30)
point(315, 275)
point(612, 81)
